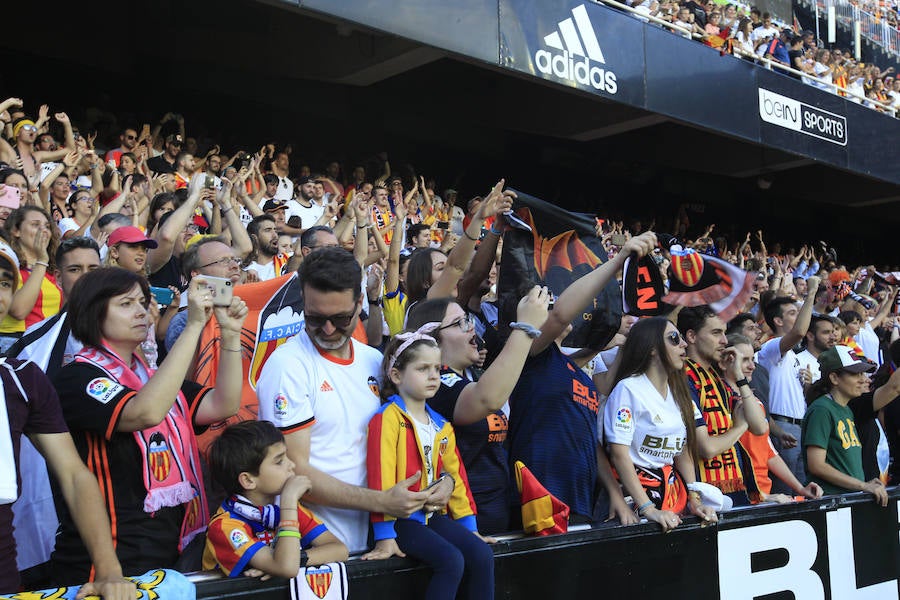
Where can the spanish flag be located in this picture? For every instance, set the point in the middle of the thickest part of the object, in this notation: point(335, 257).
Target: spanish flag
point(542, 513)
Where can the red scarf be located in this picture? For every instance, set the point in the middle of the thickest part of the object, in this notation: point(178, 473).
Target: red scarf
point(170, 459)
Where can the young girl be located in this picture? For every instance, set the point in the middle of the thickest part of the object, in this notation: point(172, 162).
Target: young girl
point(408, 437)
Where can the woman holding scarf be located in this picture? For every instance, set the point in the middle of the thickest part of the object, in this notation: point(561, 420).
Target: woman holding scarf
point(135, 427)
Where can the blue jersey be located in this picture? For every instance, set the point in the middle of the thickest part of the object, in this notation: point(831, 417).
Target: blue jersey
point(553, 427)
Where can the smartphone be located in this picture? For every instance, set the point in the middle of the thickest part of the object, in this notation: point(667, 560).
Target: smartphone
point(210, 182)
point(443, 224)
point(221, 288)
point(145, 131)
point(10, 197)
point(163, 295)
point(435, 482)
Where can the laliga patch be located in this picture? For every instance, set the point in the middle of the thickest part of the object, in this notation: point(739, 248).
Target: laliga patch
point(238, 538)
point(450, 379)
point(103, 389)
point(281, 404)
point(624, 421)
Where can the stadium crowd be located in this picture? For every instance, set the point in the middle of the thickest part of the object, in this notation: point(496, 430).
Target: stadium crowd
point(398, 401)
point(751, 34)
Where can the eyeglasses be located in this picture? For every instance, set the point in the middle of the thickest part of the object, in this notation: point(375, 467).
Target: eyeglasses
point(465, 324)
point(341, 321)
point(225, 261)
point(674, 338)
point(29, 127)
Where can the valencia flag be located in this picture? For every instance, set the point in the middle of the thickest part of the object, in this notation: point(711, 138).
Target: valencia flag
point(561, 247)
point(542, 512)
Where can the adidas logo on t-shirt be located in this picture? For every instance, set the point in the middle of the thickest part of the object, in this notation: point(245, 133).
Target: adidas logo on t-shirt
point(326, 387)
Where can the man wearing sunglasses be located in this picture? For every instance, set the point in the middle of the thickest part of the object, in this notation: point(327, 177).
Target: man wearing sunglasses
point(127, 143)
point(165, 162)
point(320, 388)
point(727, 413)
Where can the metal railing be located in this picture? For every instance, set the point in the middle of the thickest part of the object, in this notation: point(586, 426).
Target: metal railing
point(765, 62)
point(874, 27)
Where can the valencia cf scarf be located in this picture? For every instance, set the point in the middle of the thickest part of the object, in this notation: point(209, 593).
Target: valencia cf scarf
point(723, 470)
point(694, 279)
point(560, 248)
point(170, 462)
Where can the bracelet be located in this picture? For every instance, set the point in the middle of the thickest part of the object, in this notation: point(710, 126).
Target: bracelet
point(282, 533)
point(530, 330)
point(366, 226)
point(495, 231)
point(375, 302)
point(466, 233)
point(226, 209)
point(643, 507)
point(288, 523)
point(42, 263)
point(231, 350)
point(741, 382)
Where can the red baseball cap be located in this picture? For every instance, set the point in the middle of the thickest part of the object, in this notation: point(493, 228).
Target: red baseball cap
point(130, 235)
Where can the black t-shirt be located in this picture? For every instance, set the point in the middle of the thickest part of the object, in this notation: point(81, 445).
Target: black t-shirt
point(481, 446)
point(143, 540)
point(867, 430)
point(38, 413)
point(158, 164)
point(793, 55)
point(170, 274)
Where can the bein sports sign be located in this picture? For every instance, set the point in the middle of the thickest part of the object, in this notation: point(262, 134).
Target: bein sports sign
point(798, 116)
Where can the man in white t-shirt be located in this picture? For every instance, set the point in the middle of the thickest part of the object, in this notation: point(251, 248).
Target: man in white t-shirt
point(308, 208)
point(320, 389)
point(786, 402)
point(820, 337)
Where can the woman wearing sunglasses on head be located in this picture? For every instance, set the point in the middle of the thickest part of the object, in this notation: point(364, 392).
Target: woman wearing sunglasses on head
point(649, 424)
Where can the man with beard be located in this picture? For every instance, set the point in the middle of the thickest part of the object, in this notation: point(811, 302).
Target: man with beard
point(320, 388)
point(127, 142)
point(727, 413)
point(820, 337)
point(267, 262)
point(308, 207)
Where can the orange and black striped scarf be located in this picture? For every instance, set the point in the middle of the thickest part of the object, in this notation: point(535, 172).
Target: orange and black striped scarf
point(723, 470)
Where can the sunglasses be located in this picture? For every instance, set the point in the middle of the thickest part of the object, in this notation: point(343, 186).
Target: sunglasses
point(341, 321)
point(465, 324)
point(674, 338)
point(29, 128)
point(130, 137)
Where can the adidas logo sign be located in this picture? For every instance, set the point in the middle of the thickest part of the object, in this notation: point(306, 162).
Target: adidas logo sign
point(576, 50)
point(326, 387)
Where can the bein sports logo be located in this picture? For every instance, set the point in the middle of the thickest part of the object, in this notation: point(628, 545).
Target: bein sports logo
point(575, 50)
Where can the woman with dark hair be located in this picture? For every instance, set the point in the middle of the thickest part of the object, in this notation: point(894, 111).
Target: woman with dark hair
point(832, 450)
point(160, 204)
point(84, 209)
point(650, 425)
point(432, 274)
point(476, 407)
point(31, 234)
point(135, 427)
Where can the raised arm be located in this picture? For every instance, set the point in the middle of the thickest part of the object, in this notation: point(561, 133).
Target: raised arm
point(171, 229)
point(490, 393)
point(497, 201)
point(582, 292)
point(801, 325)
